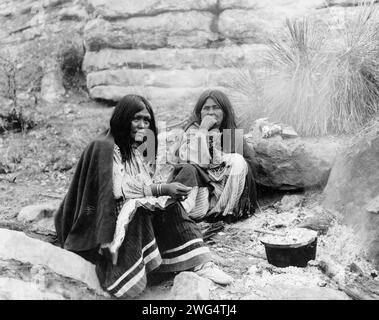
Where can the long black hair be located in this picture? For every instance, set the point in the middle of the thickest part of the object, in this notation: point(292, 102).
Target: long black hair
point(228, 121)
point(220, 98)
point(121, 123)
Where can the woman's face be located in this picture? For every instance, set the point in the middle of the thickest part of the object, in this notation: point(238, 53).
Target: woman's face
point(140, 123)
point(211, 108)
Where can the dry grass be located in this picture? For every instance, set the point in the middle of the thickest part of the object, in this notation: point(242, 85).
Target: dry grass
point(356, 73)
point(316, 84)
point(296, 89)
point(245, 93)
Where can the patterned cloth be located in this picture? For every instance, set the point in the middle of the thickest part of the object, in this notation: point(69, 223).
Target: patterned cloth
point(227, 173)
point(152, 233)
point(164, 241)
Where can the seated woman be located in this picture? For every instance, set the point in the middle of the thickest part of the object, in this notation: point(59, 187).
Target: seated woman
point(116, 216)
point(222, 182)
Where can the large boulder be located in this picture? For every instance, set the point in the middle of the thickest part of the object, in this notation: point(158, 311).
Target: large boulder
point(172, 29)
point(111, 9)
point(52, 271)
point(161, 78)
point(353, 189)
point(173, 58)
point(295, 163)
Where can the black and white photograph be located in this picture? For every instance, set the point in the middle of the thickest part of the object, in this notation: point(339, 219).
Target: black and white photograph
point(187, 155)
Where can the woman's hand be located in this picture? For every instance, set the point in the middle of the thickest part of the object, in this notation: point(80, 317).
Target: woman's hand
point(176, 190)
point(208, 122)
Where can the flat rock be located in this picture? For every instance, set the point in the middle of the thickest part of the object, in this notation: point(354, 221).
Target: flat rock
point(189, 286)
point(116, 9)
point(61, 266)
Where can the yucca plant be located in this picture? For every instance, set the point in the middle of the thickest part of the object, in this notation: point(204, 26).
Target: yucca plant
point(316, 84)
point(245, 93)
point(355, 84)
point(296, 88)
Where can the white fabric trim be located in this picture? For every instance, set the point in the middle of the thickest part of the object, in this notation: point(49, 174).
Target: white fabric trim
point(126, 215)
point(138, 276)
point(131, 283)
point(135, 265)
point(186, 256)
point(184, 245)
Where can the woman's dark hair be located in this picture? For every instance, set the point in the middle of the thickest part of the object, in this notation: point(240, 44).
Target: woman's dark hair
point(229, 120)
point(121, 123)
point(220, 98)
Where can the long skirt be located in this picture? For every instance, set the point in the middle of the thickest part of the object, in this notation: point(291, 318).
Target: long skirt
point(161, 240)
point(225, 190)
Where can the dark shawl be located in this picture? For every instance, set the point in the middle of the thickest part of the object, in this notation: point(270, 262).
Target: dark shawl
point(85, 218)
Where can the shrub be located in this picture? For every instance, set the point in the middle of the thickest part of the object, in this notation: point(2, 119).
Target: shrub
point(245, 92)
point(8, 67)
point(15, 121)
point(296, 86)
point(70, 58)
point(355, 94)
point(317, 84)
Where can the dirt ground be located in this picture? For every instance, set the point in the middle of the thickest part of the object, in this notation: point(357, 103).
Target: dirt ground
point(238, 251)
point(40, 164)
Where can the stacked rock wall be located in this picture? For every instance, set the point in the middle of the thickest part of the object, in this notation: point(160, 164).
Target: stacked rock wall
point(167, 50)
point(171, 51)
